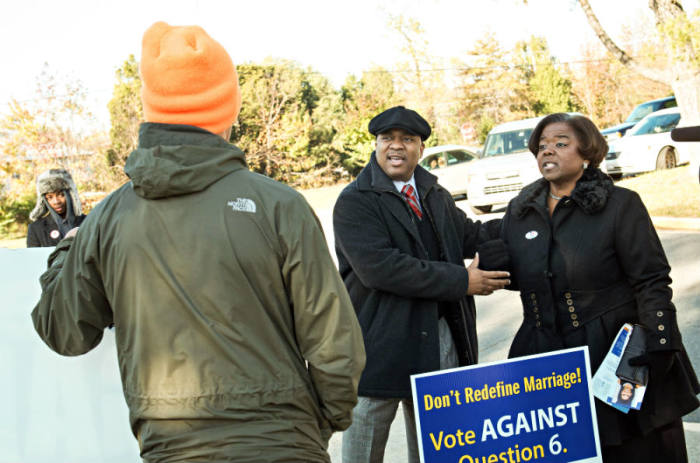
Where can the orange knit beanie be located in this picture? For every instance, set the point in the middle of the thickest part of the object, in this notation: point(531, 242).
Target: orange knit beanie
point(188, 78)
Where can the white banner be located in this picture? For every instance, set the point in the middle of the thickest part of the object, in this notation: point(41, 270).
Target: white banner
point(53, 408)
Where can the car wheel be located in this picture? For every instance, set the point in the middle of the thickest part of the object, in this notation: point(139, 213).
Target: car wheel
point(482, 209)
point(666, 159)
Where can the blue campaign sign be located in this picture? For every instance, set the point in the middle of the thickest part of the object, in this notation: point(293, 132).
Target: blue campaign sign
point(537, 408)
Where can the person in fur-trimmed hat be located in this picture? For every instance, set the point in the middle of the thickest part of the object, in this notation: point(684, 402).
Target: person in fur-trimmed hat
point(57, 209)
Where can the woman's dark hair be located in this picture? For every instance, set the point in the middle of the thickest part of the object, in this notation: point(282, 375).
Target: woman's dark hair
point(591, 144)
point(628, 401)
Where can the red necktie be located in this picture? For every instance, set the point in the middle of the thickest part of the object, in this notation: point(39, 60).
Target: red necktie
point(411, 199)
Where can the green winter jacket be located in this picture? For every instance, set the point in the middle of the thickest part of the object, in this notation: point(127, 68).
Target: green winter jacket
point(234, 330)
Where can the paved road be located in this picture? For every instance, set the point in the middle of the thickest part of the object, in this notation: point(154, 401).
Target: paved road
point(499, 316)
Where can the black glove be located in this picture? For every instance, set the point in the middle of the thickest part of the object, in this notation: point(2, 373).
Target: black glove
point(659, 364)
point(636, 346)
point(493, 255)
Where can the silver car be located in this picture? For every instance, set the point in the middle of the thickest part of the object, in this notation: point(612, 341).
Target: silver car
point(448, 163)
point(648, 146)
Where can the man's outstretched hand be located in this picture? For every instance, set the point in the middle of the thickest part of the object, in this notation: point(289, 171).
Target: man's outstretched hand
point(482, 282)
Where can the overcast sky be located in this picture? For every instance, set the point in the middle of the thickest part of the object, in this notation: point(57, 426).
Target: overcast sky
point(89, 39)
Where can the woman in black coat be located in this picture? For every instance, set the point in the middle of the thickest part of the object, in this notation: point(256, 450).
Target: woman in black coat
point(586, 259)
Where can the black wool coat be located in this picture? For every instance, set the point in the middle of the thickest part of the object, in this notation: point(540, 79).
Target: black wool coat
point(44, 232)
point(394, 286)
point(596, 264)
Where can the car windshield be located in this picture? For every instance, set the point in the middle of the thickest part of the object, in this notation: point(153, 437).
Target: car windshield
point(657, 124)
point(437, 160)
point(457, 156)
point(434, 161)
point(498, 144)
point(640, 111)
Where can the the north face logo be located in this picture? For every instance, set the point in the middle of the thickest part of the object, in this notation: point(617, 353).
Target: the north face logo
point(243, 204)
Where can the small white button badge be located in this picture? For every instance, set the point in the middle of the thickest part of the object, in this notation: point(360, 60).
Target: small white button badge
point(531, 235)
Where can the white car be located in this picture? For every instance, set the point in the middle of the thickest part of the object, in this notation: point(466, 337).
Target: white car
point(448, 163)
point(648, 146)
point(505, 167)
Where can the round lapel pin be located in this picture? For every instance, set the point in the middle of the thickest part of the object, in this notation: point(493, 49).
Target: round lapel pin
point(531, 235)
point(54, 234)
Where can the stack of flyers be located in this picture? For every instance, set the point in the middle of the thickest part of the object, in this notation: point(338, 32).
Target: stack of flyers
point(622, 394)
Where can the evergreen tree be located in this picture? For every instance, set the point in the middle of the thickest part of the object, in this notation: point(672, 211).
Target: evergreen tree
point(125, 113)
point(548, 91)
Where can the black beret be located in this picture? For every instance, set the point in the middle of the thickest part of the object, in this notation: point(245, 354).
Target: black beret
point(399, 117)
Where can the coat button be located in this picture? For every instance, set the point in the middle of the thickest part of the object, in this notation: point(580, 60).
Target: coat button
point(533, 296)
point(574, 316)
point(659, 314)
point(572, 309)
point(567, 295)
point(537, 316)
point(575, 324)
point(662, 327)
point(538, 324)
point(424, 334)
point(662, 340)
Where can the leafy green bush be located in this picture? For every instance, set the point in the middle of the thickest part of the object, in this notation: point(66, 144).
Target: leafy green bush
point(14, 216)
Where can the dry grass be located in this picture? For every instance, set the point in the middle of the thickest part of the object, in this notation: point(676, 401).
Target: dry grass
point(14, 243)
point(672, 193)
point(324, 197)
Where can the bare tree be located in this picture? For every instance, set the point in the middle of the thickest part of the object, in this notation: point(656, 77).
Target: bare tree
point(683, 72)
point(421, 78)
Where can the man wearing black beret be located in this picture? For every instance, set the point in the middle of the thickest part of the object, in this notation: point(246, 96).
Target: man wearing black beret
point(401, 243)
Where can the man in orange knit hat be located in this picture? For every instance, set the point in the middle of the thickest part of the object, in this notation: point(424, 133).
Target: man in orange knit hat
point(237, 340)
